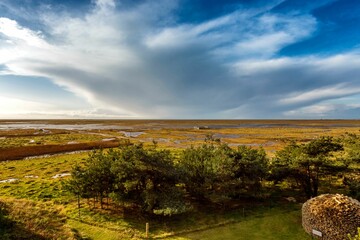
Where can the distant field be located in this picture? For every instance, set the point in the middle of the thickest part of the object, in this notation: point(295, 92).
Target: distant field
point(272, 135)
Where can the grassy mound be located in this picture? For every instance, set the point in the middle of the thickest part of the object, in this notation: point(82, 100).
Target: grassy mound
point(24, 219)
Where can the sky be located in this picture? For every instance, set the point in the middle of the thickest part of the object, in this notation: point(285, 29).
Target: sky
point(180, 59)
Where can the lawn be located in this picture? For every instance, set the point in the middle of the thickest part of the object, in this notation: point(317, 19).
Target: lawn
point(273, 224)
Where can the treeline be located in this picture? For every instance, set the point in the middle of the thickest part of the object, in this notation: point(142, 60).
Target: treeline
point(164, 183)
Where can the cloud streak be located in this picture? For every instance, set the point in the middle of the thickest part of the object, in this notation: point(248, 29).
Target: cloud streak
point(140, 62)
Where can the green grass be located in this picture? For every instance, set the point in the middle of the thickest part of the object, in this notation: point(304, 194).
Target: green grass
point(41, 186)
point(25, 219)
point(49, 139)
point(94, 232)
point(273, 225)
point(266, 224)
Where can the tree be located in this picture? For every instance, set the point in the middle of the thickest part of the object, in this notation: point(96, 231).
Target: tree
point(148, 178)
point(77, 184)
point(94, 179)
point(98, 174)
point(354, 186)
point(352, 147)
point(306, 163)
point(249, 167)
point(202, 167)
point(155, 181)
point(352, 153)
point(215, 169)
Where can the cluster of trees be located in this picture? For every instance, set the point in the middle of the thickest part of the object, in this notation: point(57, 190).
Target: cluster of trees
point(352, 179)
point(163, 183)
point(306, 164)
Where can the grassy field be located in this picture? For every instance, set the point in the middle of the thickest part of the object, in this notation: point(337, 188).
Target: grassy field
point(24, 219)
point(39, 180)
point(36, 182)
point(272, 224)
point(272, 135)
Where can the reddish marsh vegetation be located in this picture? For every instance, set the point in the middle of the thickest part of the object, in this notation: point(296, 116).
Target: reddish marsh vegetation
point(27, 151)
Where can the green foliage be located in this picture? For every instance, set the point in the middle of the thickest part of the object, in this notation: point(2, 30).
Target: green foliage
point(156, 182)
point(249, 167)
point(356, 237)
point(306, 163)
point(354, 187)
point(352, 146)
point(147, 177)
point(216, 169)
point(201, 169)
point(321, 147)
point(352, 153)
point(95, 179)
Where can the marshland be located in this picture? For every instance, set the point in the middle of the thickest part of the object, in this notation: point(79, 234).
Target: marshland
point(221, 177)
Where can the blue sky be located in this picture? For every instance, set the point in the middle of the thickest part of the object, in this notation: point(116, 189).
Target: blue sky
point(179, 59)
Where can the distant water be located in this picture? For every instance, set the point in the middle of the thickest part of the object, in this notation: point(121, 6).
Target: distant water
point(132, 134)
point(279, 125)
point(158, 126)
point(22, 125)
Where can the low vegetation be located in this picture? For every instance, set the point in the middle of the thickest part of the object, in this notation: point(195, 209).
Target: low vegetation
point(14, 153)
point(24, 219)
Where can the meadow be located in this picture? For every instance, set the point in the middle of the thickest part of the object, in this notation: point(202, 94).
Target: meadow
point(38, 156)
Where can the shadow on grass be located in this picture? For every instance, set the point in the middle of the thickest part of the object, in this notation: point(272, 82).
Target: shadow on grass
point(11, 230)
point(204, 217)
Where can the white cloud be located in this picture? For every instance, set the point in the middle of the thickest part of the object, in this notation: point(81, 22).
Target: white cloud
point(12, 30)
point(272, 32)
point(314, 111)
point(326, 110)
point(9, 105)
point(105, 4)
point(12, 107)
point(330, 92)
